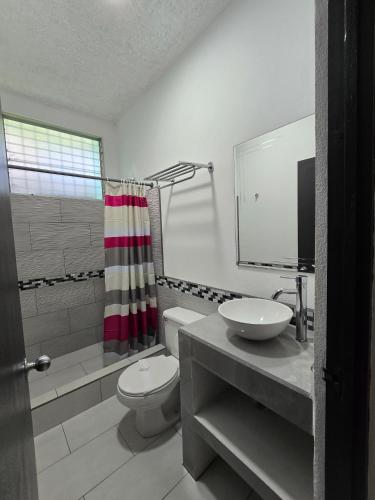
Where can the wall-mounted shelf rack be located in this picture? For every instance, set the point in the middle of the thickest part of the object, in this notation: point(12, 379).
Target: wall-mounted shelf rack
point(180, 172)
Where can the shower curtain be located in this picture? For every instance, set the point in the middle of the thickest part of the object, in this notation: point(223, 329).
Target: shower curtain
point(130, 315)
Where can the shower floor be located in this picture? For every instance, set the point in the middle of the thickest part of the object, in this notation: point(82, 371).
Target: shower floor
point(66, 369)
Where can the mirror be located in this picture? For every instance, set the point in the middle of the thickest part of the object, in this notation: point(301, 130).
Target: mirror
point(275, 198)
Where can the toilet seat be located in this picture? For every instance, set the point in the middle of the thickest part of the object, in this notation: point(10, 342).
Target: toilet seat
point(148, 376)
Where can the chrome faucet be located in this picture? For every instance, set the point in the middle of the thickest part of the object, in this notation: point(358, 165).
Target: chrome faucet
point(301, 304)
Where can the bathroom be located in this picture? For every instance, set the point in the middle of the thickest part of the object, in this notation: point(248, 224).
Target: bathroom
point(167, 284)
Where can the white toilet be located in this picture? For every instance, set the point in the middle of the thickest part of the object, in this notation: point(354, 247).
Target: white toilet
point(151, 385)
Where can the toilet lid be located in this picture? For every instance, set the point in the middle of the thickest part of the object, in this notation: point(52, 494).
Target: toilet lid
point(148, 375)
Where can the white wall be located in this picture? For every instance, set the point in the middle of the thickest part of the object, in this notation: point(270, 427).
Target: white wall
point(252, 71)
point(61, 117)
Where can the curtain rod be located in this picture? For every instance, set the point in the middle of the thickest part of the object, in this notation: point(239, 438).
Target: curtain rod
point(81, 176)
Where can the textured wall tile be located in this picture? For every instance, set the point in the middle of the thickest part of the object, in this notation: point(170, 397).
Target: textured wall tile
point(64, 407)
point(83, 259)
point(21, 233)
point(97, 235)
point(33, 351)
point(197, 304)
point(61, 235)
point(168, 298)
point(153, 199)
point(86, 316)
point(45, 327)
point(108, 384)
point(69, 343)
point(39, 264)
point(100, 333)
point(64, 295)
point(28, 208)
point(28, 303)
point(73, 210)
point(99, 288)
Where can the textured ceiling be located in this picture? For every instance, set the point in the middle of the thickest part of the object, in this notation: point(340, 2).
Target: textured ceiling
point(95, 56)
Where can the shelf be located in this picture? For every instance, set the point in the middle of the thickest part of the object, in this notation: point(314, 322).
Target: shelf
point(272, 455)
point(180, 172)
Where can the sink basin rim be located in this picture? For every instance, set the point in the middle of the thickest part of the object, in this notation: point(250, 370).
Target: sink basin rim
point(250, 322)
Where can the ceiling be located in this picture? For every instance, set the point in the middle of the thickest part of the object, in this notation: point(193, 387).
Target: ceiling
point(95, 56)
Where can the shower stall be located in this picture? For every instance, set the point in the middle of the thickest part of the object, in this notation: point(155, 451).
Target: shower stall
point(60, 265)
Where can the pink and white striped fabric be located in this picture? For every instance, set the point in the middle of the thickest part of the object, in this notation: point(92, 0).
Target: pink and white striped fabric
point(130, 316)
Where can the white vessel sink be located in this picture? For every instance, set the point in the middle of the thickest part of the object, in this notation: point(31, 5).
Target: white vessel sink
point(256, 319)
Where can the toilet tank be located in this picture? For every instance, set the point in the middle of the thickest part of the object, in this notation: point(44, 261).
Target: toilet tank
point(174, 318)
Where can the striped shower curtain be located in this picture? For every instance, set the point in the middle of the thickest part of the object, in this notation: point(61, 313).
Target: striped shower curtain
point(130, 315)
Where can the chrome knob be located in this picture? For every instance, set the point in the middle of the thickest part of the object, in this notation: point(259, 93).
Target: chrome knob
point(41, 364)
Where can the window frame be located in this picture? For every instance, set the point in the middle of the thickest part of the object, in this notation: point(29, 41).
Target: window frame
point(57, 128)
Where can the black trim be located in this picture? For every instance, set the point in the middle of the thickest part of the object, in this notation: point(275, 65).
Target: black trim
point(41, 282)
point(217, 295)
point(350, 245)
point(306, 214)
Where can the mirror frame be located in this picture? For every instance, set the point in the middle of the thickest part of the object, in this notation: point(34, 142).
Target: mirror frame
point(305, 267)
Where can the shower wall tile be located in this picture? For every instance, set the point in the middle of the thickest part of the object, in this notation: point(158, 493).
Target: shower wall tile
point(57, 411)
point(62, 235)
point(55, 237)
point(83, 259)
point(86, 316)
point(32, 351)
point(38, 264)
point(69, 343)
point(97, 235)
point(77, 210)
point(108, 384)
point(64, 295)
point(153, 199)
point(46, 326)
point(28, 303)
point(99, 289)
point(21, 233)
point(28, 208)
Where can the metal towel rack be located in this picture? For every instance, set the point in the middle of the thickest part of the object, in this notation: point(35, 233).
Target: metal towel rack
point(180, 172)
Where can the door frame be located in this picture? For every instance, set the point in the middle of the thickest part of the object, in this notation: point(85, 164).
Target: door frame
point(350, 245)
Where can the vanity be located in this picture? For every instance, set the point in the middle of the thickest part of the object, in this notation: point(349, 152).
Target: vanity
point(250, 403)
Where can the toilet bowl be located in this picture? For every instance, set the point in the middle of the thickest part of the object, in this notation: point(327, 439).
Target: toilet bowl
point(151, 385)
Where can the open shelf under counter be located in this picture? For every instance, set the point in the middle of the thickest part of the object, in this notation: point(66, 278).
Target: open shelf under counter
point(277, 373)
point(272, 455)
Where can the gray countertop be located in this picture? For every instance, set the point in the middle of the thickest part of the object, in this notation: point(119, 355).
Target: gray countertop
point(282, 359)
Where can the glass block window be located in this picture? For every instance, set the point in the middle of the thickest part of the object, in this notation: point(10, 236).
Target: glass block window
point(38, 146)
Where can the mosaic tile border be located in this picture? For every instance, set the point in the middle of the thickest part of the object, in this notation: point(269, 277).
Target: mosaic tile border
point(204, 292)
point(74, 277)
point(214, 294)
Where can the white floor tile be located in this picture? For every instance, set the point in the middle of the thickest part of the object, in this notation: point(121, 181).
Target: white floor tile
point(219, 482)
point(79, 472)
point(50, 447)
point(129, 432)
point(54, 380)
point(149, 475)
point(93, 422)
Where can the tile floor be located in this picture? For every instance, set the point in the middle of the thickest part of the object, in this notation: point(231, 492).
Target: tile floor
point(66, 369)
point(99, 455)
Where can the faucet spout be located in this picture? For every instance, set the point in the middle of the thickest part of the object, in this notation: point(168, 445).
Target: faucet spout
point(282, 291)
point(301, 304)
